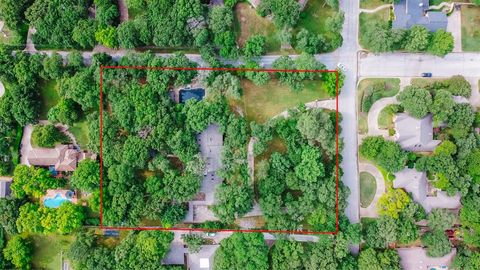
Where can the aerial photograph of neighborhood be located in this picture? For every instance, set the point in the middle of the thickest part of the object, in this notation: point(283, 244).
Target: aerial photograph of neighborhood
point(240, 134)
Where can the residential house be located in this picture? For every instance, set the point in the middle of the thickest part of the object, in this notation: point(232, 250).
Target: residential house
point(415, 134)
point(5, 183)
point(211, 143)
point(416, 12)
point(61, 158)
point(416, 258)
point(422, 192)
point(202, 260)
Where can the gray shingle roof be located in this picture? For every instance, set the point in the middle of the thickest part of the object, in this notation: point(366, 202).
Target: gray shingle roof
point(415, 12)
point(416, 183)
point(415, 134)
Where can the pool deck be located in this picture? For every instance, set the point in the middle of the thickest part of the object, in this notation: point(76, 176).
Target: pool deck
point(51, 193)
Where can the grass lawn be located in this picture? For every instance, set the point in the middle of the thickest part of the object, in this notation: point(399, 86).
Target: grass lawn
point(15, 39)
point(247, 23)
point(368, 187)
point(48, 250)
point(470, 28)
point(392, 85)
point(371, 4)
point(367, 19)
point(49, 96)
point(260, 103)
point(80, 131)
point(385, 119)
point(313, 18)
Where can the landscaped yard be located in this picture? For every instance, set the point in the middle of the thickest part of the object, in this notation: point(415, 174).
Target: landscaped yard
point(49, 96)
point(314, 16)
point(371, 4)
point(368, 187)
point(248, 22)
point(368, 19)
point(80, 131)
point(470, 28)
point(261, 103)
point(392, 86)
point(385, 118)
point(48, 250)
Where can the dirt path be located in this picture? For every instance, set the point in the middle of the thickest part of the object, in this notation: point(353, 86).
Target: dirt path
point(122, 7)
point(375, 9)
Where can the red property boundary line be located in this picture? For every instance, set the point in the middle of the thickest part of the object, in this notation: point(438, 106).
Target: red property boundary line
point(102, 68)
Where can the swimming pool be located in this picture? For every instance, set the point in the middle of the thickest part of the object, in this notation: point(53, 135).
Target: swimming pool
point(56, 201)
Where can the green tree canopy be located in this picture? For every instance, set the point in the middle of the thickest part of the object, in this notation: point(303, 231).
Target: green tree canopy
point(416, 101)
point(32, 181)
point(19, 251)
point(242, 251)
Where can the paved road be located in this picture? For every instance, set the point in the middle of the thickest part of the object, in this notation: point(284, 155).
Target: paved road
point(347, 54)
point(412, 65)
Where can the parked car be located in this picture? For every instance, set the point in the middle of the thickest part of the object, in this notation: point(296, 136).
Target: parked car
point(427, 74)
point(342, 67)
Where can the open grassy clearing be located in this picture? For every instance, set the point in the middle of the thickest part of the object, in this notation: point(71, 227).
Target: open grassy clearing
point(48, 250)
point(260, 103)
point(371, 4)
point(367, 19)
point(314, 16)
point(368, 187)
point(49, 97)
point(16, 39)
point(247, 23)
point(392, 88)
point(80, 131)
point(470, 28)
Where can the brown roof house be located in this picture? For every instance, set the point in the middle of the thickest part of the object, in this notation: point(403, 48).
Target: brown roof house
point(62, 157)
point(415, 134)
point(429, 197)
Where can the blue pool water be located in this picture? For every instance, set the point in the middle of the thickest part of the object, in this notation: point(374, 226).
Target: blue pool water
point(55, 202)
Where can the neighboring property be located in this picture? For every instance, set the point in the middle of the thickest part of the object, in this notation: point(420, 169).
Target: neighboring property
point(5, 183)
point(62, 158)
point(415, 134)
point(416, 12)
point(210, 142)
point(416, 258)
point(202, 260)
point(423, 192)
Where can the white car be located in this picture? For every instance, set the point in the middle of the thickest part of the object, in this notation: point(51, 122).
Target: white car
point(342, 67)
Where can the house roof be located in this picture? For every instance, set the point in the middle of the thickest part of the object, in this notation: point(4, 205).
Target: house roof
point(61, 156)
point(415, 12)
point(415, 134)
point(5, 187)
point(416, 183)
point(202, 260)
point(211, 142)
point(416, 258)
